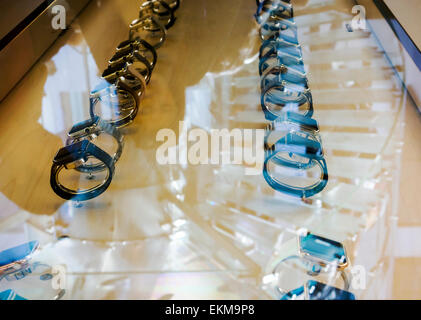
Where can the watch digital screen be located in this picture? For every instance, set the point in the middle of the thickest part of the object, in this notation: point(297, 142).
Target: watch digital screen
point(324, 249)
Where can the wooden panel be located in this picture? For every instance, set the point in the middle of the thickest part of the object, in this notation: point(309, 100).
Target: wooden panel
point(20, 53)
point(13, 12)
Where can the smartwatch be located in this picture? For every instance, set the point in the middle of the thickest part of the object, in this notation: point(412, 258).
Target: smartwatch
point(301, 122)
point(282, 72)
point(90, 130)
point(296, 153)
point(139, 46)
point(74, 156)
point(295, 123)
point(269, 8)
point(316, 254)
point(120, 90)
point(134, 59)
point(276, 58)
point(127, 71)
point(279, 28)
point(315, 290)
point(156, 33)
point(278, 96)
point(159, 9)
point(273, 46)
point(283, 10)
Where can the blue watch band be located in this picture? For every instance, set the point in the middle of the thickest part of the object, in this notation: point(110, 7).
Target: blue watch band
point(268, 7)
point(17, 254)
point(290, 96)
point(10, 295)
point(293, 294)
point(315, 290)
point(304, 148)
point(283, 28)
point(273, 58)
point(303, 128)
point(281, 72)
point(272, 46)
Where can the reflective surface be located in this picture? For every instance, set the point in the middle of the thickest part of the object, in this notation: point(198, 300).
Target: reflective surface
point(208, 231)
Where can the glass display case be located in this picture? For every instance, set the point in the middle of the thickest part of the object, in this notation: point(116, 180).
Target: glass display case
point(177, 215)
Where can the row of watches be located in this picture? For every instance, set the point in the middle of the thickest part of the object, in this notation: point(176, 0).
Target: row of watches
point(292, 146)
point(114, 102)
point(294, 161)
point(317, 257)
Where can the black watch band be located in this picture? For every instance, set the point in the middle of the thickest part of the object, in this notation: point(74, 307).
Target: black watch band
point(72, 156)
point(174, 4)
point(170, 11)
point(90, 129)
point(147, 25)
point(133, 57)
point(141, 45)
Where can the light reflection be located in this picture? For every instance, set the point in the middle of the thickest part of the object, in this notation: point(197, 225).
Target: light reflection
point(66, 94)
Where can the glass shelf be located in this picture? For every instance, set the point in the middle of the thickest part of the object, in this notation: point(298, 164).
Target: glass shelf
point(207, 231)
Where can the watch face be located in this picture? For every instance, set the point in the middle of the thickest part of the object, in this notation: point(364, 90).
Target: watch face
point(324, 250)
point(83, 127)
point(320, 291)
point(73, 152)
point(18, 253)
